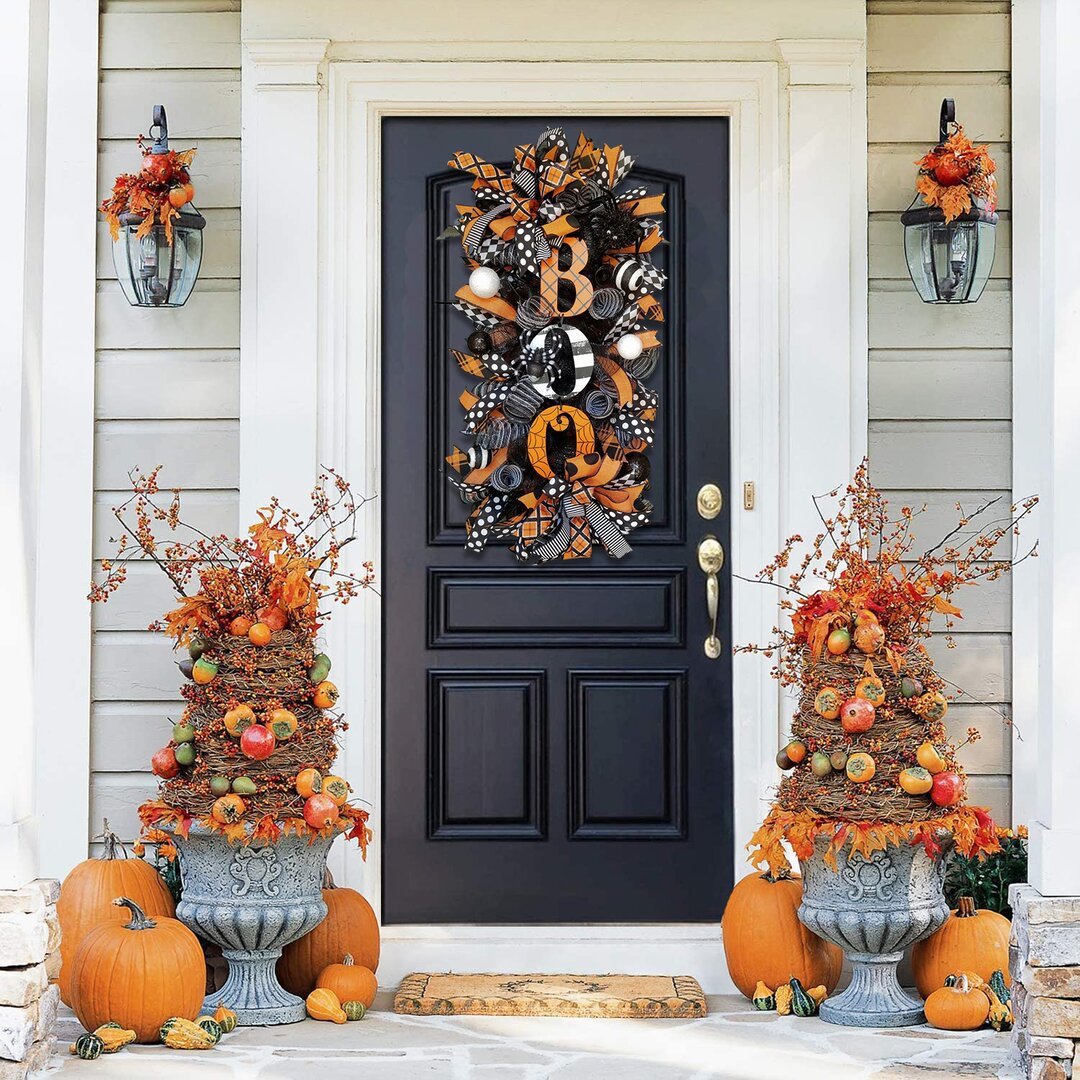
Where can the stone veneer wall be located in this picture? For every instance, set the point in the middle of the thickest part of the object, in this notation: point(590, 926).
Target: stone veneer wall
point(29, 961)
point(1044, 960)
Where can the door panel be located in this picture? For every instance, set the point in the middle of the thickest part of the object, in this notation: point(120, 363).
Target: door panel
point(557, 746)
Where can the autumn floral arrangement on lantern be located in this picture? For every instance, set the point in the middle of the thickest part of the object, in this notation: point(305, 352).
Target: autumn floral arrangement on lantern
point(957, 175)
point(252, 755)
point(155, 193)
point(870, 760)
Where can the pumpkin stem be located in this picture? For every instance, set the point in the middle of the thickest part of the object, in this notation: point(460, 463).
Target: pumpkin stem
point(965, 907)
point(111, 841)
point(139, 919)
point(328, 879)
point(348, 961)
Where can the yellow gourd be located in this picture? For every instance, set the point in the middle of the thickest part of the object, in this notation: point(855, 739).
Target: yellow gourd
point(818, 993)
point(323, 1004)
point(114, 1037)
point(181, 1034)
point(783, 999)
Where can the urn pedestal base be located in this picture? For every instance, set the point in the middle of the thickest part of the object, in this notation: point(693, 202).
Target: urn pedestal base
point(252, 900)
point(873, 907)
point(253, 992)
point(873, 998)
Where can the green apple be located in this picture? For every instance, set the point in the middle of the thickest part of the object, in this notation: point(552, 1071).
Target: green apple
point(185, 753)
point(219, 785)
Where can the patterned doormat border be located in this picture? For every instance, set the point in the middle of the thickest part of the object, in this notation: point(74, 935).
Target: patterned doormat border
point(637, 996)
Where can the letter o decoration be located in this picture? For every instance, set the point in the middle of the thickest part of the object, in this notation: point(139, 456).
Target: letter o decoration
point(558, 418)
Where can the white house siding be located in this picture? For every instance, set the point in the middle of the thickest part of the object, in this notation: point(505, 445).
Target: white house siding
point(940, 377)
point(167, 382)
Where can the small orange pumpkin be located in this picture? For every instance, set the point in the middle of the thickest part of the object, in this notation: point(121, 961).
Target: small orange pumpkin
point(138, 974)
point(350, 926)
point(764, 939)
point(972, 942)
point(349, 981)
point(960, 1007)
point(86, 898)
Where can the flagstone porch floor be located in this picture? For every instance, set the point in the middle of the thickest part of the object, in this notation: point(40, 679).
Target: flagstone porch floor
point(733, 1041)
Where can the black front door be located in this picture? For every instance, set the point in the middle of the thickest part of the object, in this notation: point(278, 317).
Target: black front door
point(556, 743)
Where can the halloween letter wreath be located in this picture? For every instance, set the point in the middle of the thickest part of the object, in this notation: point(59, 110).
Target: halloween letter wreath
point(560, 291)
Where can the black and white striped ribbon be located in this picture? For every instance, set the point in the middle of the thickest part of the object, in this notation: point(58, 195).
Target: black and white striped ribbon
point(478, 227)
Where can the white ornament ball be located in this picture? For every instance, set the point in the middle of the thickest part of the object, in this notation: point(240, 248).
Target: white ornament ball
point(629, 346)
point(484, 282)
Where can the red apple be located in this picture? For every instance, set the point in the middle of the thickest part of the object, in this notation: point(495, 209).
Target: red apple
point(856, 715)
point(164, 763)
point(257, 742)
point(320, 811)
point(948, 789)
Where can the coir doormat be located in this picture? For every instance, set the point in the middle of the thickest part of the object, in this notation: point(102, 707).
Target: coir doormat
point(638, 996)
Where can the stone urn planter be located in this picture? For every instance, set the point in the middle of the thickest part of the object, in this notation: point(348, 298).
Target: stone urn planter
point(252, 901)
point(873, 908)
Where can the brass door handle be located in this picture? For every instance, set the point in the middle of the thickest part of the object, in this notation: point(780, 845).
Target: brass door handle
point(710, 555)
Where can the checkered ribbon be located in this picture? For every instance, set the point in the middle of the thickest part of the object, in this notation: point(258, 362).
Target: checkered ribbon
point(484, 319)
point(629, 320)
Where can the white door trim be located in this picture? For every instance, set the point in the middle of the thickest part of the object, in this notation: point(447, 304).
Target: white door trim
point(345, 429)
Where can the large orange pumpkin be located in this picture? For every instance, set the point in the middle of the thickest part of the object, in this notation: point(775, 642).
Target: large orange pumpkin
point(349, 981)
point(350, 927)
point(970, 940)
point(763, 938)
point(137, 975)
point(87, 894)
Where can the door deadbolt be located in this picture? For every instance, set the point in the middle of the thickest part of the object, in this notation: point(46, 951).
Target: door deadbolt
point(710, 501)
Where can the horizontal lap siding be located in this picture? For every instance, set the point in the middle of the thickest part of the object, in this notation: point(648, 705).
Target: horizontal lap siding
point(940, 377)
point(167, 382)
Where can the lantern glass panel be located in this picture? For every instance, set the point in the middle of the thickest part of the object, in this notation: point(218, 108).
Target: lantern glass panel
point(949, 263)
point(154, 273)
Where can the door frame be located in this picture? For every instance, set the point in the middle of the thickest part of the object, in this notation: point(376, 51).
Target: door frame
point(310, 321)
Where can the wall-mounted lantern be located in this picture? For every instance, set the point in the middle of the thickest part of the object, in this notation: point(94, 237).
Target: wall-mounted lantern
point(157, 232)
point(949, 227)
